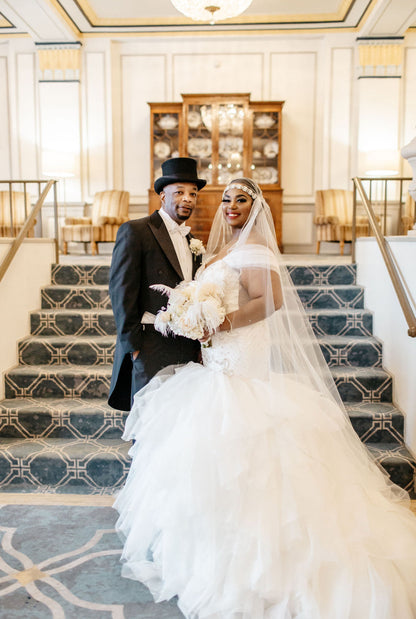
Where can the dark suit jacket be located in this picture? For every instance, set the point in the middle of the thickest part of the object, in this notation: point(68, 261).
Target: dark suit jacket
point(143, 255)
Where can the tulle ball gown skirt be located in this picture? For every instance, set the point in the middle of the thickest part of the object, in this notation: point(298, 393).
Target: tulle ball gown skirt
point(253, 499)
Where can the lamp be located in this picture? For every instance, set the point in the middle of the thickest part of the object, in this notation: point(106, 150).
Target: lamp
point(211, 10)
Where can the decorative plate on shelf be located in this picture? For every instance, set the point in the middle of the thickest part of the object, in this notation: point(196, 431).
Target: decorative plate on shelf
point(199, 147)
point(194, 119)
point(264, 121)
point(161, 150)
point(168, 122)
point(229, 145)
point(174, 154)
point(271, 148)
point(257, 154)
point(265, 174)
point(206, 114)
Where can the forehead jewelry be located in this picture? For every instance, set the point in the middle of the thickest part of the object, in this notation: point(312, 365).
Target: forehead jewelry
point(250, 192)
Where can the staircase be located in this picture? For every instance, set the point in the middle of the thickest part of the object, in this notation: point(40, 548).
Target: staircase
point(57, 433)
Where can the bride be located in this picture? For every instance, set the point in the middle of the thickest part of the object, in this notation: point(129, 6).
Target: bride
point(250, 495)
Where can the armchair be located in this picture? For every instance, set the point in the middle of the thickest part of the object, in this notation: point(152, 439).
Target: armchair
point(333, 217)
point(18, 210)
point(108, 211)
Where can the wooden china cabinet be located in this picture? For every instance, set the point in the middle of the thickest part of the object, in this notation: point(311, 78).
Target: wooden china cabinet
point(229, 136)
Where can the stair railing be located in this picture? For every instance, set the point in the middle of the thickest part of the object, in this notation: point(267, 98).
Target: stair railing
point(30, 220)
point(386, 253)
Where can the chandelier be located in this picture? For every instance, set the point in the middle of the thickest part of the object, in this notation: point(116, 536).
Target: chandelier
point(211, 10)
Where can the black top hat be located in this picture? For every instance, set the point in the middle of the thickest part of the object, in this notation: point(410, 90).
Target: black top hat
point(179, 170)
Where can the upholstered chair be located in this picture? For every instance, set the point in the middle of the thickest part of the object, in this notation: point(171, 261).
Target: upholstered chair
point(20, 213)
point(108, 211)
point(408, 215)
point(333, 217)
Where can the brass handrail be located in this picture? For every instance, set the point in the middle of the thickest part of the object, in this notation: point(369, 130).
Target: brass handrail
point(29, 223)
point(387, 257)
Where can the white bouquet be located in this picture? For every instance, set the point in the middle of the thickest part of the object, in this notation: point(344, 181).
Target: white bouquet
point(194, 309)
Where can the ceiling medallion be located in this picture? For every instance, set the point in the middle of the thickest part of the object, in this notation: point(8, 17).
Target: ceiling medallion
point(202, 10)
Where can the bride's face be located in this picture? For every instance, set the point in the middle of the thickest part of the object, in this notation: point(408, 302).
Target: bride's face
point(236, 207)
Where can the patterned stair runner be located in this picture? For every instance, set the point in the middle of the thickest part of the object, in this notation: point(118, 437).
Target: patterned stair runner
point(57, 432)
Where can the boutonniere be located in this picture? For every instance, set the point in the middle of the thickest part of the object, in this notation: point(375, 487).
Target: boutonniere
point(197, 247)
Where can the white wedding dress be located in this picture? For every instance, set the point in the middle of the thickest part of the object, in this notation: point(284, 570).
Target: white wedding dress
point(253, 499)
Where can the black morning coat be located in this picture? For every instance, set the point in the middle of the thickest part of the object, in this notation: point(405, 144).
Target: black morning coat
point(143, 255)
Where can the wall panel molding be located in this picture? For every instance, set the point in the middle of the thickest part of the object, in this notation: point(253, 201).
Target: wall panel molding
point(293, 79)
point(143, 79)
point(26, 108)
point(96, 123)
point(340, 119)
point(5, 137)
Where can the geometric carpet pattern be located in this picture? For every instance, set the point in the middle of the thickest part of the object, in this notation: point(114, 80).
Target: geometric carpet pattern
point(74, 573)
point(58, 433)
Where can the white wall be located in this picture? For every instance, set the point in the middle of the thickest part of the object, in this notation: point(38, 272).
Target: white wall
point(20, 294)
point(399, 350)
point(106, 118)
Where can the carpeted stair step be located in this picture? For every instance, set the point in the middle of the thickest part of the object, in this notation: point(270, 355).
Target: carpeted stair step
point(363, 384)
point(67, 350)
point(72, 322)
point(376, 422)
point(323, 274)
point(319, 297)
point(60, 418)
point(351, 322)
point(80, 274)
point(356, 322)
point(398, 462)
point(76, 418)
point(58, 381)
point(86, 350)
point(57, 462)
point(75, 297)
point(351, 351)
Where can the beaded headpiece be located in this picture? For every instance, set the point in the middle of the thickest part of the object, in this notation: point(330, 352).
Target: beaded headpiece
point(244, 188)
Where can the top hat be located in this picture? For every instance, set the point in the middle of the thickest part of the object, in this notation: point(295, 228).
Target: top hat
point(179, 170)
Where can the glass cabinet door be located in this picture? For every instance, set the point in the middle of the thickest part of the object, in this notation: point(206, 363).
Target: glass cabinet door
point(199, 144)
point(230, 142)
point(165, 138)
point(265, 148)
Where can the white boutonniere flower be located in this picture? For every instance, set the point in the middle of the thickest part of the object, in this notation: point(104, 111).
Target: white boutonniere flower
point(197, 247)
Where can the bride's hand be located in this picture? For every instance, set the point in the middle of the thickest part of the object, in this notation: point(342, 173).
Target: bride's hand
point(205, 337)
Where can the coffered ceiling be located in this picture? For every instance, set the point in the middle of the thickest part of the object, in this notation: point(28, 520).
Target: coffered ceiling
point(57, 20)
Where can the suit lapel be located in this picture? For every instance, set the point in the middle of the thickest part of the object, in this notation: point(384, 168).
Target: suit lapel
point(161, 235)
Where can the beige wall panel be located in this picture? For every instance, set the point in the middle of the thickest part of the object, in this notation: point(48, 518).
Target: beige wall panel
point(378, 125)
point(96, 123)
point(297, 228)
point(409, 123)
point(26, 115)
point(142, 80)
point(339, 172)
point(218, 73)
point(61, 136)
point(5, 163)
point(293, 80)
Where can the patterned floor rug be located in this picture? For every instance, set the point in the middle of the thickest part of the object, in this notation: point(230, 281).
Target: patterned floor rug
point(63, 562)
point(60, 559)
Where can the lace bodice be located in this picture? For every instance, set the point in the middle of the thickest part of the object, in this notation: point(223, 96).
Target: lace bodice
point(243, 350)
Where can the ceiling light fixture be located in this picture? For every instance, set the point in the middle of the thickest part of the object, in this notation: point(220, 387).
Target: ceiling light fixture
point(202, 10)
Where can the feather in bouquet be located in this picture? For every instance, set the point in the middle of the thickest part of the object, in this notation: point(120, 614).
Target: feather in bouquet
point(194, 308)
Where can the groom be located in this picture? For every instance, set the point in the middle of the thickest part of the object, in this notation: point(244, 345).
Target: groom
point(152, 250)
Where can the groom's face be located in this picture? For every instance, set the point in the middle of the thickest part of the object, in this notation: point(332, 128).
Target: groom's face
point(179, 200)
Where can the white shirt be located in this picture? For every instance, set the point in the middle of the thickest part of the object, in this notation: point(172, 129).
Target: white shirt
point(182, 250)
